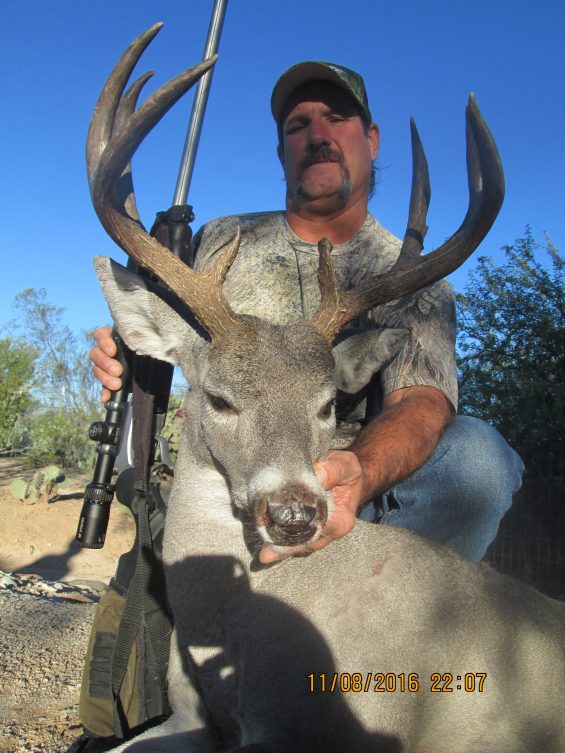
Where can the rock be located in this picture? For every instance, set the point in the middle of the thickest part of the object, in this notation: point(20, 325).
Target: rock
point(7, 581)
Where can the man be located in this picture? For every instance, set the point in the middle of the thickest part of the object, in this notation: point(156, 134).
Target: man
point(451, 480)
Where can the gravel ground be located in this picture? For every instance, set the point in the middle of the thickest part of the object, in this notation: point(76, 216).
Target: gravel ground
point(44, 630)
point(49, 588)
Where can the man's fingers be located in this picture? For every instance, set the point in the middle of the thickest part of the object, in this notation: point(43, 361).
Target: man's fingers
point(106, 369)
point(105, 379)
point(338, 525)
point(105, 341)
point(267, 555)
point(339, 468)
point(104, 362)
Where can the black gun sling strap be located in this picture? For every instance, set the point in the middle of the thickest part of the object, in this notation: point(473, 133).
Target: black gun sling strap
point(146, 620)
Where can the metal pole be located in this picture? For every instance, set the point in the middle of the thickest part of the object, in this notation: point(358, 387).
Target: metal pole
point(199, 107)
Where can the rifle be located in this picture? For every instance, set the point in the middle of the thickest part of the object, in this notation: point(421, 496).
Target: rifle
point(124, 435)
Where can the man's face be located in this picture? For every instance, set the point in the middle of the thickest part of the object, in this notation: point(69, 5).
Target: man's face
point(326, 153)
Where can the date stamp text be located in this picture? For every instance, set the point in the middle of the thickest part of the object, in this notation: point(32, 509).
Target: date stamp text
point(400, 682)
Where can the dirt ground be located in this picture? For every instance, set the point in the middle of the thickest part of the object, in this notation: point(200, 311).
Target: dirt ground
point(39, 538)
point(45, 618)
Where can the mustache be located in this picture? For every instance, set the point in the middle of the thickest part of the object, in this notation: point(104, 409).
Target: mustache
point(323, 153)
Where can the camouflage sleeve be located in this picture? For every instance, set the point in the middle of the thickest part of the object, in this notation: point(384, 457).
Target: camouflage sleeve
point(211, 238)
point(196, 241)
point(428, 357)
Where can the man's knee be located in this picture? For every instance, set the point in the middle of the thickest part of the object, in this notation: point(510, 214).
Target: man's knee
point(460, 494)
point(480, 464)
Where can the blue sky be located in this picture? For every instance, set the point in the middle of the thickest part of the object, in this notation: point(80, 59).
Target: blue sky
point(419, 59)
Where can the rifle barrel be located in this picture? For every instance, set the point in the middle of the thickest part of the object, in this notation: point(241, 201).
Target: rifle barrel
point(199, 107)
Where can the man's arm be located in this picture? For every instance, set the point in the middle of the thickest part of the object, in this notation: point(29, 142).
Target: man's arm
point(401, 438)
point(395, 444)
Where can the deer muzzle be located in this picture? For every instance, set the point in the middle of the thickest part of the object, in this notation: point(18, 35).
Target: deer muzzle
point(290, 515)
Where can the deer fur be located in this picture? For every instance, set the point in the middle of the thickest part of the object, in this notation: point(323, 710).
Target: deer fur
point(380, 600)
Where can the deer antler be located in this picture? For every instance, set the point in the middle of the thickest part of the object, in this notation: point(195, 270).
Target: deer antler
point(412, 271)
point(115, 132)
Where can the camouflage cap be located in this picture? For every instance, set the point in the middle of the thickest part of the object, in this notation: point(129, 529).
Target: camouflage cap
point(317, 70)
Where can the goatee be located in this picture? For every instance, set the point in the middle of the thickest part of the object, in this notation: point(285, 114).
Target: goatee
point(323, 154)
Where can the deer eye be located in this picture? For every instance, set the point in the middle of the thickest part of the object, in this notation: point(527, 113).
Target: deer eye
point(219, 404)
point(327, 409)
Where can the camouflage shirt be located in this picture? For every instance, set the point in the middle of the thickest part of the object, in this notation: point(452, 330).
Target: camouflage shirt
point(274, 277)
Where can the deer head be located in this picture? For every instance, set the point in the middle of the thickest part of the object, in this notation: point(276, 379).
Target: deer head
point(239, 424)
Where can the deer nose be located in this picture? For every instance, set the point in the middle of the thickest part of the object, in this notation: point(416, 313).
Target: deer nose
point(289, 524)
point(291, 516)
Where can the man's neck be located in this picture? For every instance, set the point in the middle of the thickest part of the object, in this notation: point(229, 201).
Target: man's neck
point(338, 227)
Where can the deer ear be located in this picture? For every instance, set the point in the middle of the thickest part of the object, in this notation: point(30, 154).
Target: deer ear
point(358, 357)
point(148, 325)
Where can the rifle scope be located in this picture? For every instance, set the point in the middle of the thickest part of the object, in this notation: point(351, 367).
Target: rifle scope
point(99, 493)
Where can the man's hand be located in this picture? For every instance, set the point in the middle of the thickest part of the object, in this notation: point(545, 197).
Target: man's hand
point(106, 368)
point(342, 474)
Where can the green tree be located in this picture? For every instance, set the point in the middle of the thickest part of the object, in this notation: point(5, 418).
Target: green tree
point(512, 350)
point(64, 377)
point(65, 389)
point(17, 361)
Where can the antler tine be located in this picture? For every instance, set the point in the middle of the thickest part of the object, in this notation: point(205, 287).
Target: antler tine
point(116, 131)
point(124, 188)
point(332, 309)
point(486, 193)
point(486, 177)
point(102, 122)
point(420, 195)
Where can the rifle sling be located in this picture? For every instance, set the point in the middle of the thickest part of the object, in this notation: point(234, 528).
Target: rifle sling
point(145, 615)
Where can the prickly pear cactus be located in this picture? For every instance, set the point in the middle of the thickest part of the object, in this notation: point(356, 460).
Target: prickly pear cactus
point(19, 488)
point(52, 473)
point(42, 487)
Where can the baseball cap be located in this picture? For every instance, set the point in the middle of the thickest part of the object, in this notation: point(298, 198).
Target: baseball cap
point(317, 70)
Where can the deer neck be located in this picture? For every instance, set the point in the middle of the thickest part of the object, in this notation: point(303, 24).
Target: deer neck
point(201, 520)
